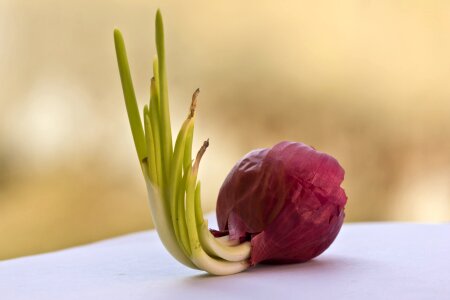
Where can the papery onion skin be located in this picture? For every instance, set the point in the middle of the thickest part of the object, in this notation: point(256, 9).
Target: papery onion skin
point(286, 199)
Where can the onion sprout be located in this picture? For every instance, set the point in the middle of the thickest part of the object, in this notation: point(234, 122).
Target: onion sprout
point(171, 175)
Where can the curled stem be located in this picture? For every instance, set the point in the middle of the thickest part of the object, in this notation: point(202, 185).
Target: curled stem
point(200, 258)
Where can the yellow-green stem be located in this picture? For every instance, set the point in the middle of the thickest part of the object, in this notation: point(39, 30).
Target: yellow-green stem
point(151, 160)
point(163, 93)
point(130, 97)
point(155, 121)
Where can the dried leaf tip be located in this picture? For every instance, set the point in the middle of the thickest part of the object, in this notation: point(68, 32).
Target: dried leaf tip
point(200, 154)
point(193, 104)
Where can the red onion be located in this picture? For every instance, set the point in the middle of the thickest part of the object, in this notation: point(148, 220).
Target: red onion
point(286, 200)
point(278, 205)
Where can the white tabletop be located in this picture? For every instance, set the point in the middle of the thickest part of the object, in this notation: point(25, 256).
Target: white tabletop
point(367, 261)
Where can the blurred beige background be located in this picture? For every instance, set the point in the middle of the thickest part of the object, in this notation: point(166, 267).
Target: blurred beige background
point(366, 81)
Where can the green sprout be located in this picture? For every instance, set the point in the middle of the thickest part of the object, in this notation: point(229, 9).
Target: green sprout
point(171, 174)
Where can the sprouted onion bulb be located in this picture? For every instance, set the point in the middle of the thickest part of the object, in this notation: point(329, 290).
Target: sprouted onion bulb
point(277, 205)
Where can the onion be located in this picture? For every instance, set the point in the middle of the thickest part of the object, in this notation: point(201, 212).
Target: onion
point(286, 200)
point(278, 205)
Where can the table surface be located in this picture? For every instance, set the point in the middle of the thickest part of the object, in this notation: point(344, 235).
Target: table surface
point(367, 261)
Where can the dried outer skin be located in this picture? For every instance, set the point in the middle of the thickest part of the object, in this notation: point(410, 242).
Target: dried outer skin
point(286, 199)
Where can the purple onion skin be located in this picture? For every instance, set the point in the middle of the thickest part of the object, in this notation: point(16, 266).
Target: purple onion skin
point(286, 200)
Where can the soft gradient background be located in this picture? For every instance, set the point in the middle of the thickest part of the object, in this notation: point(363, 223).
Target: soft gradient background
point(366, 81)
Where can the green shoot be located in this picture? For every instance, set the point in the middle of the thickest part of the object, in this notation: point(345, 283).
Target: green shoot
point(166, 135)
point(130, 97)
point(171, 178)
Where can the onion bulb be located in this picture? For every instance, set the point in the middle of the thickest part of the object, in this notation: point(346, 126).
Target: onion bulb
point(286, 200)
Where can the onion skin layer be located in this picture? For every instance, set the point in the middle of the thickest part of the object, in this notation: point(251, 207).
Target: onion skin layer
point(286, 200)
